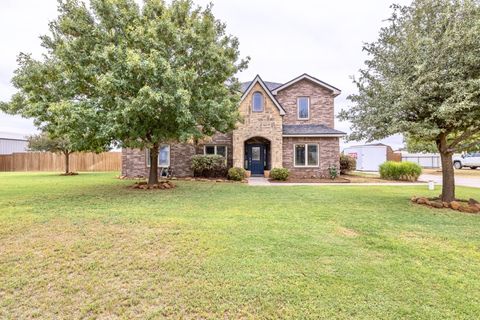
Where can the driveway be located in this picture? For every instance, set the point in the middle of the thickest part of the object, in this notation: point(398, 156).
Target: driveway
point(459, 180)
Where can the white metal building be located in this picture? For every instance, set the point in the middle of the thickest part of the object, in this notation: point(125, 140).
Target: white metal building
point(370, 156)
point(12, 142)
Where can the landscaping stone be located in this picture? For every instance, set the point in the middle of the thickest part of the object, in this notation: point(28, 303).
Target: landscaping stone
point(436, 204)
point(161, 185)
point(422, 200)
point(469, 209)
point(455, 205)
point(470, 206)
point(473, 202)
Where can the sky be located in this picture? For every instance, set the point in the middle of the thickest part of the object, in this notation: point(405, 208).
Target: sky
point(283, 39)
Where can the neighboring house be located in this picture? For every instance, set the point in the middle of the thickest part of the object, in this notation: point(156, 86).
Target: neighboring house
point(370, 156)
point(12, 142)
point(289, 125)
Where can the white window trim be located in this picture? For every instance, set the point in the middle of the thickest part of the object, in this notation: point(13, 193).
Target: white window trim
point(215, 145)
point(147, 156)
point(298, 108)
point(306, 155)
point(253, 103)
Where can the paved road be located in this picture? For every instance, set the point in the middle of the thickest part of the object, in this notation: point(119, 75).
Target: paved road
point(459, 180)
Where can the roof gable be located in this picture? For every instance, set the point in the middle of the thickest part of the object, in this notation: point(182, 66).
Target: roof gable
point(304, 76)
point(267, 91)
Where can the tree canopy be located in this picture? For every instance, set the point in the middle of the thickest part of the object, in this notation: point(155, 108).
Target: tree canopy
point(133, 75)
point(45, 142)
point(422, 79)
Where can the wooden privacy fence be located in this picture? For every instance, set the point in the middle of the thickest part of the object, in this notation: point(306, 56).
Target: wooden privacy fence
point(47, 161)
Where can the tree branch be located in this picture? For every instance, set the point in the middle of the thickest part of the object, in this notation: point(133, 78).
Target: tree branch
point(465, 146)
point(465, 135)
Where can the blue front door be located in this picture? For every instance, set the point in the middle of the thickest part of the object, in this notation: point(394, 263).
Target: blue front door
point(256, 158)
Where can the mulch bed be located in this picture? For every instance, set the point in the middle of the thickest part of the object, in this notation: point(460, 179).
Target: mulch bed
point(312, 180)
point(468, 206)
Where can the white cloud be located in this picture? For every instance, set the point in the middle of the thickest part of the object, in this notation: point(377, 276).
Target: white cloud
point(283, 38)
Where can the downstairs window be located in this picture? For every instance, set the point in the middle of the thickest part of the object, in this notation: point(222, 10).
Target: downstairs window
point(163, 156)
point(306, 155)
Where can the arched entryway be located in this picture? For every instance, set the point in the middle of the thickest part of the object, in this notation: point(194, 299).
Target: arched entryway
point(257, 155)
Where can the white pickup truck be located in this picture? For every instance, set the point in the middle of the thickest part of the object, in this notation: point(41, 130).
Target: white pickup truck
point(471, 160)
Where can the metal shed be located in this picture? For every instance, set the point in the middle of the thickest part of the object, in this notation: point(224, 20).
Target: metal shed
point(370, 156)
point(12, 142)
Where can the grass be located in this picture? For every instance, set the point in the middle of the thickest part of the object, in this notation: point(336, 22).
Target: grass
point(88, 247)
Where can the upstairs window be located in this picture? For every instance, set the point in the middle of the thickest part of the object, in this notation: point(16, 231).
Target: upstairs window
point(303, 107)
point(257, 102)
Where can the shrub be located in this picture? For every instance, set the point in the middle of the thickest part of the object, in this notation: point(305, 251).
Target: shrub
point(406, 171)
point(209, 166)
point(279, 174)
point(347, 163)
point(236, 174)
point(333, 172)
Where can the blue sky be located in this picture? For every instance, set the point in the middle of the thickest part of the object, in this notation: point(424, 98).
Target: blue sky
point(283, 38)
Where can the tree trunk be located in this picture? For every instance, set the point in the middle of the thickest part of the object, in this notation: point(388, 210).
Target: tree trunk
point(67, 162)
point(153, 174)
point(448, 174)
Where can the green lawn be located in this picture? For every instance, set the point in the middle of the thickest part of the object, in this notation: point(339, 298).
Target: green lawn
point(88, 247)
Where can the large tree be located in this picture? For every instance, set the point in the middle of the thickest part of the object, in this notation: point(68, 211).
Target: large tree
point(138, 75)
point(422, 79)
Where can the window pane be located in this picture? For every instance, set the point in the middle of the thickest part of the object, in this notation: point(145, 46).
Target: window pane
point(210, 150)
point(303, 108)
point(256, 153)
point(222, 151)
point(300, 155)
point(148, 158)
point(257, 101)
point(312, 154)
point(164, 156)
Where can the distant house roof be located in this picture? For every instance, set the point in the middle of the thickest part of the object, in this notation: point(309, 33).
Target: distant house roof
point(370, 145)
point(305, 130)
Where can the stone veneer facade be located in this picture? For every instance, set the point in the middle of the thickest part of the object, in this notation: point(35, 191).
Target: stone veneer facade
point(268, 125)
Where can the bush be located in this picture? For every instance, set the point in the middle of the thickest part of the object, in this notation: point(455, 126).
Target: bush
point(279, 174)
point(347, 163)
point(209, 166)
point(236, 174)
point(333, 172)
point(406, 171)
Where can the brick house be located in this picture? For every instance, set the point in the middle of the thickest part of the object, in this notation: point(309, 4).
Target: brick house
point(289, 125)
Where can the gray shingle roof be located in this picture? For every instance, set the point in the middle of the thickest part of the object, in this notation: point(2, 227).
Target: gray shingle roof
point(270, 85)
point(309, 130)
